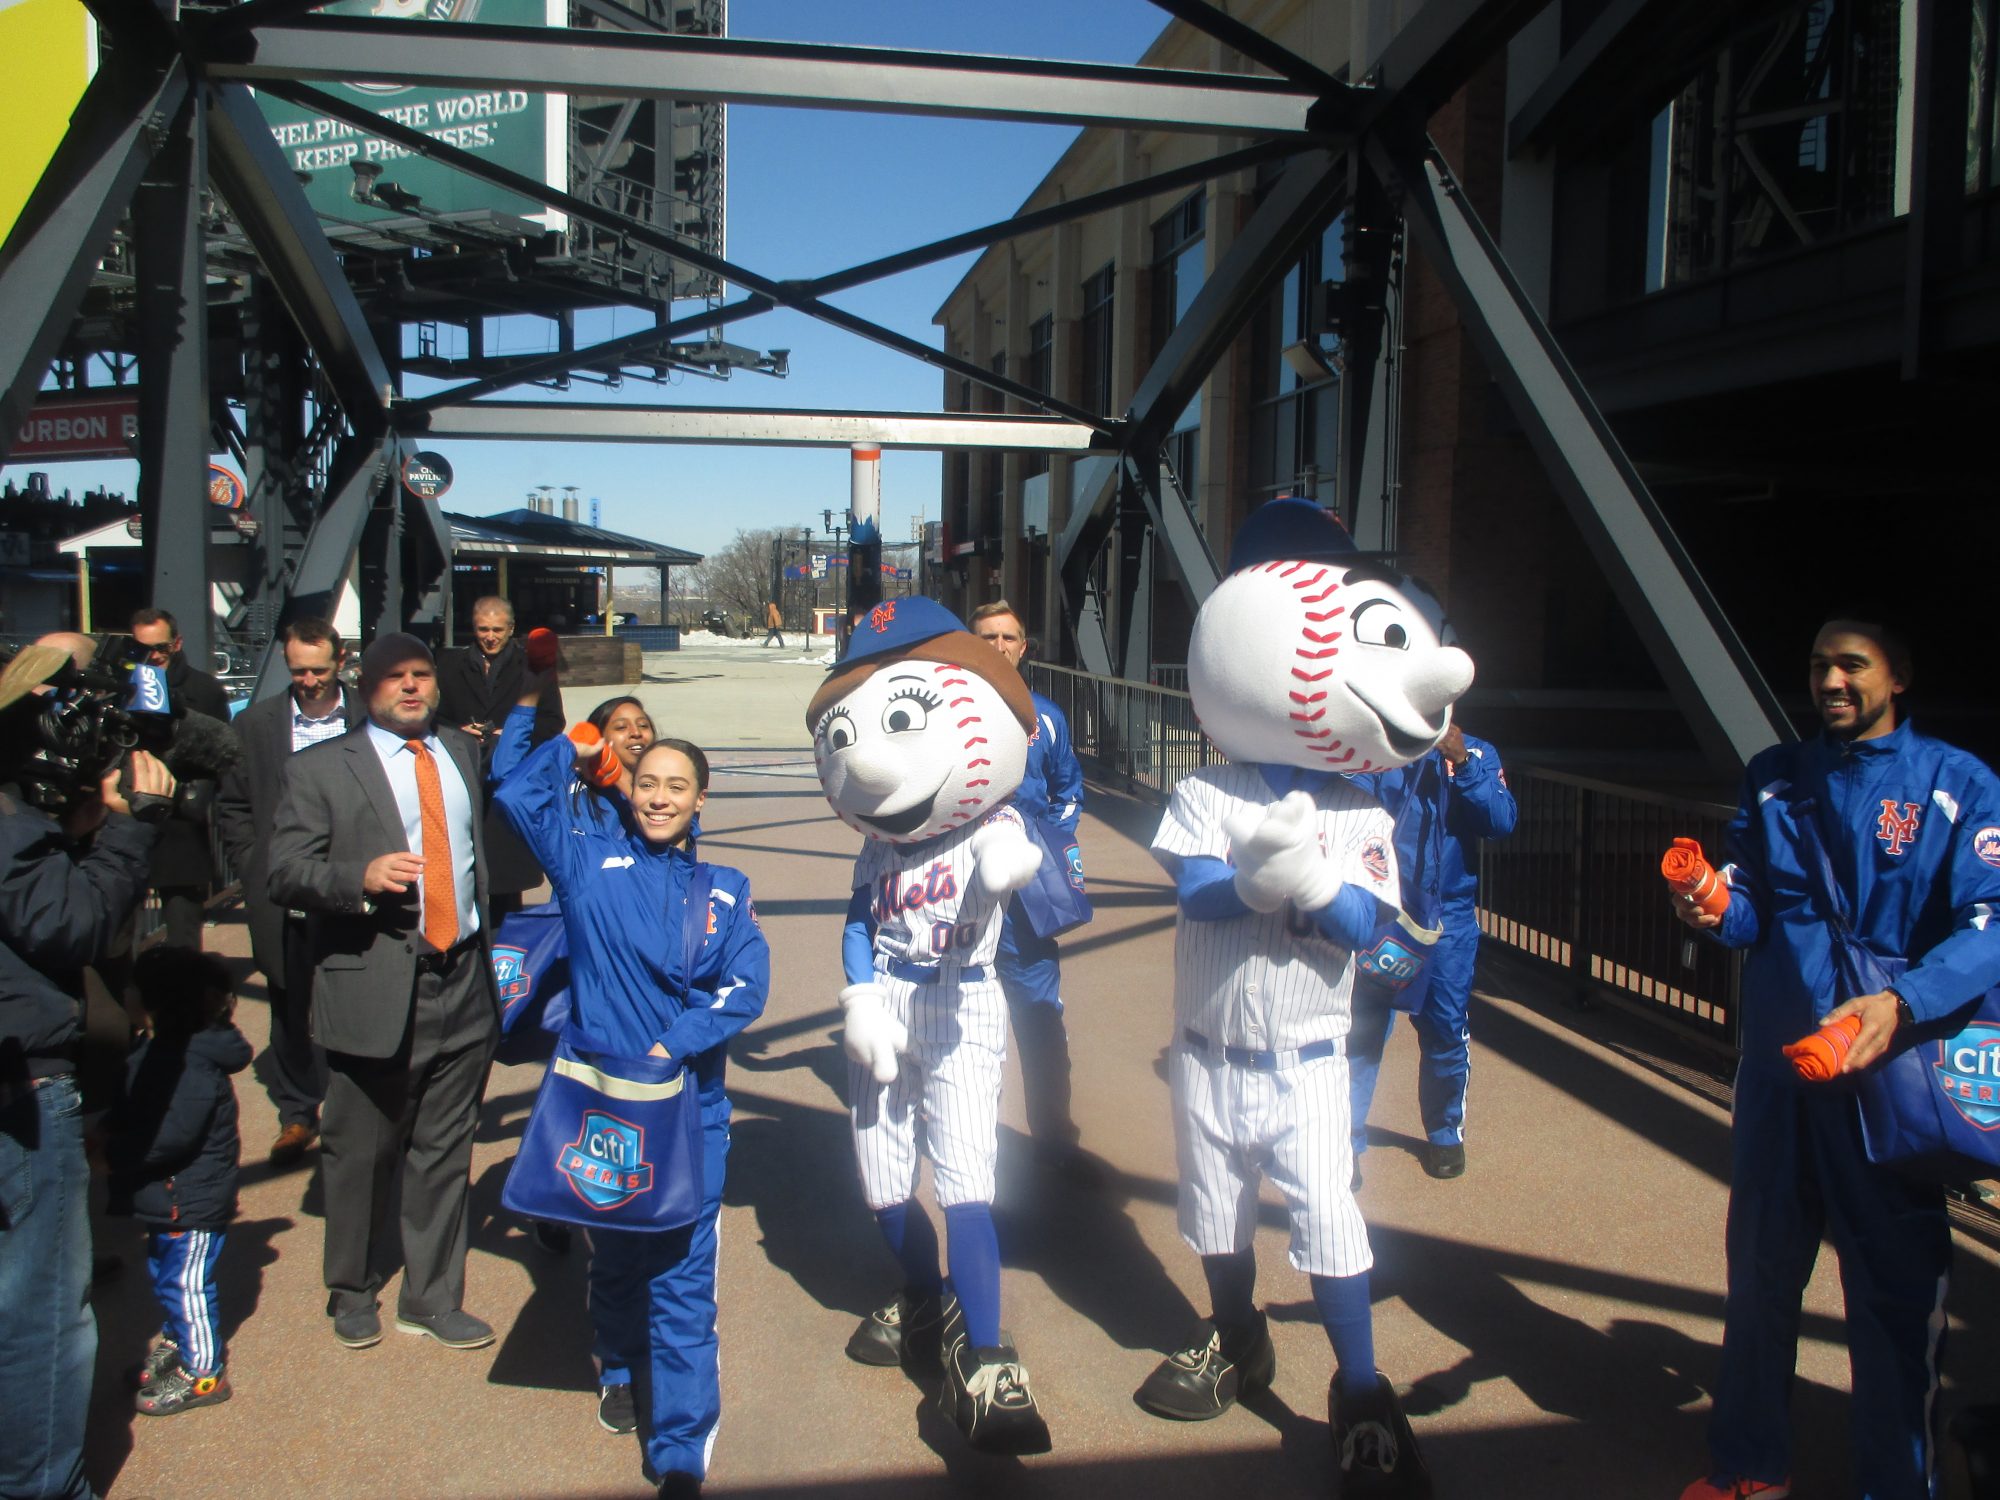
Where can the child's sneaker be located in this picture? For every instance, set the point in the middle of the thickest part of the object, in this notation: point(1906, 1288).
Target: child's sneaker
point(177, 1391)
point(1727, 1487)
point(162, 1357)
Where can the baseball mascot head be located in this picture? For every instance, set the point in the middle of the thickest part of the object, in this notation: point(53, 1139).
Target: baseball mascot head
point(1309, 654)
point(922, 728)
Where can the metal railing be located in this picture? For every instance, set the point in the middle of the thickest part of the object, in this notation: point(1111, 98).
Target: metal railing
point(1577, 886)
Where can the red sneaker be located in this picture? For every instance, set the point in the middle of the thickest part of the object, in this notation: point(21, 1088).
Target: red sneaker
point(1723, 1487)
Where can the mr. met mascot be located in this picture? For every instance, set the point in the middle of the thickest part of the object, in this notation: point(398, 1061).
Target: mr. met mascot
point(1308, 661)
point(920, 734)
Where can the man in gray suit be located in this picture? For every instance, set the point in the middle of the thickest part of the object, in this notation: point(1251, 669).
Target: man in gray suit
point(316, 708)
point(378, 841)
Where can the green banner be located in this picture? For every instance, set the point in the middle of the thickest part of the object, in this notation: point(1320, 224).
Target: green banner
point(511, 128)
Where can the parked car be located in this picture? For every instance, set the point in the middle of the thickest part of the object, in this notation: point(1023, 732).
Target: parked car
point(716, 622)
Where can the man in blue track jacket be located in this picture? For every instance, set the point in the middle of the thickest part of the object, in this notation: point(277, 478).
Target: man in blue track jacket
point(1442, 804)
point(1030, 965)
point(1912, 829)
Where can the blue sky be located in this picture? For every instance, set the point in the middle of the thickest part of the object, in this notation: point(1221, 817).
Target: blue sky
point(810, 191)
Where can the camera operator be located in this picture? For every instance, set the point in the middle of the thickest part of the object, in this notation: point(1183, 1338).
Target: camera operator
point(183, 867)
point(61, 904)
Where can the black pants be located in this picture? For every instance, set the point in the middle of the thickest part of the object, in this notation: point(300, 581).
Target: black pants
point(417, 1108)
point(297, 1065)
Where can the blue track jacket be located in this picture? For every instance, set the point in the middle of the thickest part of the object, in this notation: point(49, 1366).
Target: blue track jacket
point(1912, 827)
point(1052, 781)
point(1430, 852)
point(623, 901)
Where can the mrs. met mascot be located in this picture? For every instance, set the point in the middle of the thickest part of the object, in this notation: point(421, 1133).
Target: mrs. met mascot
point(920, 734)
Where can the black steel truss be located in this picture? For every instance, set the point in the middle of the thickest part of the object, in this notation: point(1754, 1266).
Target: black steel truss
point(1349, 143)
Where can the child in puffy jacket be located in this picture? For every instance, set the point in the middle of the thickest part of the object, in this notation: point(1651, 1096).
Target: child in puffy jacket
point(173, 1152)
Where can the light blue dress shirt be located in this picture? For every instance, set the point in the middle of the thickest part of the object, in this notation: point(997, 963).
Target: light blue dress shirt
point(401, 764)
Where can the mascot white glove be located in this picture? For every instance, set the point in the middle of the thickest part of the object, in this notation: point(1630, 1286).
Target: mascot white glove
point(873, 1036)
point(1277, 857)
point(1004, 858)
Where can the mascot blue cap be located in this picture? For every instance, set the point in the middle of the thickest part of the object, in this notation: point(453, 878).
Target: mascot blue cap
point(1291, 529)
point(895, 625)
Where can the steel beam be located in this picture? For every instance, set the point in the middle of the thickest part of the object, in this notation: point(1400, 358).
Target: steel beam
point(1066, 212)
point(785, 293)
point(1530, 124)
point(701, 70)
point(48, 260)
point(571, 421)
point(174, 439)
point(1711, 675)
point(627, 346)
point(1253, 44)
point(324, 561)
point(281, 226)
point(1437, 49)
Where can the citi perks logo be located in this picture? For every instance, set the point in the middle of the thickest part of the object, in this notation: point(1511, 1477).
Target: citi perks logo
point(510, 976)
point(1968, 1070)
point(1073, 857)
point(606, 1163)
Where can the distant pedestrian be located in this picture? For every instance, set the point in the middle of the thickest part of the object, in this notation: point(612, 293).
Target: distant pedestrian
point(774, 624)
point(477, 687)
point(173, 1149)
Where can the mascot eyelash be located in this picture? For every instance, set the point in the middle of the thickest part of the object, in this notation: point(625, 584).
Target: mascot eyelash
point(826, 720)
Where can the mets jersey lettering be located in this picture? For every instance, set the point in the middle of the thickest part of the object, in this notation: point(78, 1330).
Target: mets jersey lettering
point(924, 901)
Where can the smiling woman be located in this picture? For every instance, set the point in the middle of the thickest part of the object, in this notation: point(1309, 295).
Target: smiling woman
point(652, 975)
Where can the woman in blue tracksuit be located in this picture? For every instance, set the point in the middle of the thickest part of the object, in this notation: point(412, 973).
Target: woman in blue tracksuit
point(623, 879)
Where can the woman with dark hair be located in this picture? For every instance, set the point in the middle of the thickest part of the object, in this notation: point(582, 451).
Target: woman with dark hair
point(623, 877)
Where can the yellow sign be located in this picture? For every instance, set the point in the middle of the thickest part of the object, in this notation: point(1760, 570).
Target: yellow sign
point(53, 47)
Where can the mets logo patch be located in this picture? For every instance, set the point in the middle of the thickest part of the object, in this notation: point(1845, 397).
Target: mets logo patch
point(514, 981)
point(1375, 859)
point(1895, 832)
point(1074, 857)
point(606, 1163)
point(1968, 1070)
point(1986, 844)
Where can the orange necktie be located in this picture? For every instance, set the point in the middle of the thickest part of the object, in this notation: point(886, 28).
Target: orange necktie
point(440, 889)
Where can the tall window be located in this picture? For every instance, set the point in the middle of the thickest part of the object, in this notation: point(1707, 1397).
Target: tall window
point(1179, 261)
point(1038, 371)
point(1295, 398)
point(1094, 333)
point(991, 467)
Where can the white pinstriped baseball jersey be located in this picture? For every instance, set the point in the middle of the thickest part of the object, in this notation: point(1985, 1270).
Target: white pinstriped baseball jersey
point(927, 909)
point(1269, 980)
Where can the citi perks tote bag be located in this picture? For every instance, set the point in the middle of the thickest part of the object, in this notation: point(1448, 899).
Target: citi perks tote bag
point(615, 1142)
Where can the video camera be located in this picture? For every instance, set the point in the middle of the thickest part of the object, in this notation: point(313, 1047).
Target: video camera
point(90, 719)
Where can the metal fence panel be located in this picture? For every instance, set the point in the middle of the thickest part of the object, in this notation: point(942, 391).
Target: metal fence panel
point(1577, 886)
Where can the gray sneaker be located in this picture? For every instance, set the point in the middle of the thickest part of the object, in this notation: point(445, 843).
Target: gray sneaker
point(456, 1329)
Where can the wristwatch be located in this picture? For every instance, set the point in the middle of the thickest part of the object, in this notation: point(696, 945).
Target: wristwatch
point(1904, 1015)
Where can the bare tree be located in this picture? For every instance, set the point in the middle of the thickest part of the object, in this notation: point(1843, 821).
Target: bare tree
point(737, 578)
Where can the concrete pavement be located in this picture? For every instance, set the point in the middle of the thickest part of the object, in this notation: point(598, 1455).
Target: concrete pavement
point(1557, 1310)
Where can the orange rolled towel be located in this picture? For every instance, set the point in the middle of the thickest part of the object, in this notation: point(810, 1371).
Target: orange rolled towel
point(1688, 873)
point(1818, 1057)
point(542, 648)
point(604, 770)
